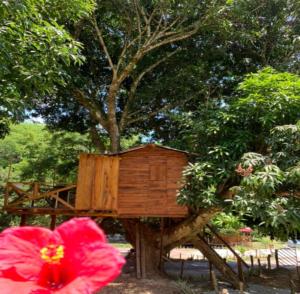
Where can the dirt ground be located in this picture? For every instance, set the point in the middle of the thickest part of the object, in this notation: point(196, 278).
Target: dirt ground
point(270, 282)
point(129, 285)
point(276, 281)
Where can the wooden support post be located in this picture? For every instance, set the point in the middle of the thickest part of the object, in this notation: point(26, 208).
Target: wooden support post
point(23, 220)
point(143, 256)
point(161, 242)
point(182, 268)
point(214, 282)
point(53, 222)
point(35, 191)
point(276, 258)
point(252, 261)
point(269, 261)
point(6, 195)
point(240, 270)
point(138, 250)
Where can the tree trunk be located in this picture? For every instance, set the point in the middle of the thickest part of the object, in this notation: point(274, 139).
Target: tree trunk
point(172, 237)
point(115, 138)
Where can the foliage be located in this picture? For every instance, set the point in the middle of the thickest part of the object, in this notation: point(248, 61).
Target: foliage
point(35, 49)
point(37, 154)
point(227, 223)
point(248, 130)
point(199, 190)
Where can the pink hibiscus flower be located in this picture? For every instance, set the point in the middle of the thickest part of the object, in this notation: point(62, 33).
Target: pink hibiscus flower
point(72, 259)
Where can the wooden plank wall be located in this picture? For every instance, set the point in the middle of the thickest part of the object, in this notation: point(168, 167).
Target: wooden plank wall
point(148, 182)
point(97, 184)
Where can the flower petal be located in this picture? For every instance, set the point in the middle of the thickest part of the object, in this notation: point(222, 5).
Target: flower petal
point(79, 231)
point(9, 287)
point(87, 255)
point(95, 269)
point(20, 252)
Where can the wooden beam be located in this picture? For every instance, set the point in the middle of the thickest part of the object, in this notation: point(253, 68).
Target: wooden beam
point(36, 195)
point(53, 222)
point(23, 220)
point(58, 211)
point(138, 250)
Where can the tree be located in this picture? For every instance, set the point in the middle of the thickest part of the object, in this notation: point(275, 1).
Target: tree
point(125, 82)
point(35, 50)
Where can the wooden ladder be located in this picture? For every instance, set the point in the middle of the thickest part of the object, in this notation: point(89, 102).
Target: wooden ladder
point(220, 264)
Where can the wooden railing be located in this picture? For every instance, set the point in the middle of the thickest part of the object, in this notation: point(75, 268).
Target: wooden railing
point(29, 194)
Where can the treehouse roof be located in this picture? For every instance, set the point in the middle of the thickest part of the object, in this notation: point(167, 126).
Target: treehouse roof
point(144, 146)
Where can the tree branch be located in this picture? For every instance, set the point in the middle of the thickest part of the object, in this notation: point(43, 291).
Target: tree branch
point(135, 84)
point(93, 108)
point(174, 38)
point(102, 43)
point(155, 112)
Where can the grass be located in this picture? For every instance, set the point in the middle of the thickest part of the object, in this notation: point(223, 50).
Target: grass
point(121, 245)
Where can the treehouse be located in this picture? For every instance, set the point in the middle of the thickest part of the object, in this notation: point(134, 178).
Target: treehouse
point(139, 182)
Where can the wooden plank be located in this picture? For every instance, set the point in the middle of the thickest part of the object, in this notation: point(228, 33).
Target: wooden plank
point(114, 182)
point(85, 182)
point(105, 190)
point(97, 189)
point(63, 202)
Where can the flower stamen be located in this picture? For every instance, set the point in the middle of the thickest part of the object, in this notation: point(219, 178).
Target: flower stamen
point(52, 254)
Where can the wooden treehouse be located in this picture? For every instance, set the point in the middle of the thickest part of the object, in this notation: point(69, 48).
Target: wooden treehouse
point(139, 182)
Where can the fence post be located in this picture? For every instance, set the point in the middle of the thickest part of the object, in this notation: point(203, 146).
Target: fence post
point(269, 261)
point(252, 261)
point(276, 258)
point(181, 269)
point(259, 266)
